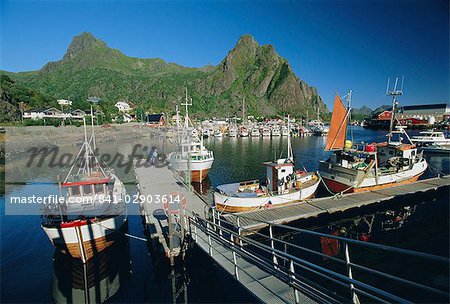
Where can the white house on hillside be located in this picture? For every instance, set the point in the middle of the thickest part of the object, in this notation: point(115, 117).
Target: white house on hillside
point(123, 106)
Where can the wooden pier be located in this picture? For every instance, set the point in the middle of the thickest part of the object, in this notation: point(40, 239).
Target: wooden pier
point(155, 185)
point(258, 219)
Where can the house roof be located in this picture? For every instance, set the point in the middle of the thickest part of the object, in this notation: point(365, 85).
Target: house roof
point(436, 106)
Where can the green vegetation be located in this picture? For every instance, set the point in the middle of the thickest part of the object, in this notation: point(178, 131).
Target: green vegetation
point(15, 98)
point(90, 68)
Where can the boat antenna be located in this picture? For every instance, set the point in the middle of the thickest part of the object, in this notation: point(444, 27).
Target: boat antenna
point(394, 93)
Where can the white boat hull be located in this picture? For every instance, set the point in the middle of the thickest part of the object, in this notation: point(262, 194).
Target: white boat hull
point(84, 240)
point(241, 204)
point(336, 181)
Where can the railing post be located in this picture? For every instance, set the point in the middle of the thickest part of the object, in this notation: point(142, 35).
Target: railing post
point(195, 232)
point(239, 231)
point(236, 273)
point(218, 222)
point(296, 293)
point(355, 298)
point(272, 244)
point(209, 239)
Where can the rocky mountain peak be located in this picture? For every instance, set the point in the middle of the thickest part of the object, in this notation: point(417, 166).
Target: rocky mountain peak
point(83, 42)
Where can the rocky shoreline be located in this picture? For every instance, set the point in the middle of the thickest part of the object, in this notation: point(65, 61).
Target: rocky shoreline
point(19, 140)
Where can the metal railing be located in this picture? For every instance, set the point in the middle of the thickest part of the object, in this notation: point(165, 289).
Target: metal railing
point(297, 265)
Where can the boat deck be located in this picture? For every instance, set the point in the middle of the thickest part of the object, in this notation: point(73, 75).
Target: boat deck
point(259, 219)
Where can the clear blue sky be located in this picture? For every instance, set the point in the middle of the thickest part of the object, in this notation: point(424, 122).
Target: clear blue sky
point(332, 45)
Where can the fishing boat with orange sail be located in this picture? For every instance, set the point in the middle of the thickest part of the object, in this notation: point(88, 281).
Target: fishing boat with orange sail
point(363, 167)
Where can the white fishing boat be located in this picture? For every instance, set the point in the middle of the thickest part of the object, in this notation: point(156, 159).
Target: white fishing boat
point(265, 131)
point(255, 132)
point(205, 133)
point(243, 132)
point(427, 138)
point(358, 168)
point(190, 155)
point(218, 133)
point(317, 127)
point(275, 131)
point(284, 131)
point(232, 131)
point(86, 222)
point(283, 186)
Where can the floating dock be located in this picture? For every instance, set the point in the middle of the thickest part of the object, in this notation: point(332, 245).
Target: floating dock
point(255, 220)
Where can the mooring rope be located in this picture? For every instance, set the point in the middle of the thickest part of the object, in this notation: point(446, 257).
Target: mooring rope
point(125, 234)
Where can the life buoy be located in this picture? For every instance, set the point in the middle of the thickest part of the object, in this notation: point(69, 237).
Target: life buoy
point(288, 178)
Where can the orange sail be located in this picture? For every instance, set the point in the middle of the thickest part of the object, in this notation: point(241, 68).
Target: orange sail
point(338, 127)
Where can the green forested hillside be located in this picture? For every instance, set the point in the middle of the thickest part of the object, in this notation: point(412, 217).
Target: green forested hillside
point(251, 71)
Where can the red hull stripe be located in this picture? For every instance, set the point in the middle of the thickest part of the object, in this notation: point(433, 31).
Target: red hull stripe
point(89, 182)
point(77, 223)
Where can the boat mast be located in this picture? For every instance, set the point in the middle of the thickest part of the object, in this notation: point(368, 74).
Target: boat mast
point(92, 123)
point(93, 100)
point(349, 113)
point(394, 93)
point(243, 110)
point(186, 104)
point(290, 154)
point(86, 148)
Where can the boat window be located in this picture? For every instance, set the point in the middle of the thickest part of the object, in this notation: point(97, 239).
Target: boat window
point(87, 189)
point(283, 170)
point(75, 190)
point(98, 188)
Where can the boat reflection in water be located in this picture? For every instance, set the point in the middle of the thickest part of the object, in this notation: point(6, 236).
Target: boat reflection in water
point(363, 227)
point(93, 282)
point(203, 187)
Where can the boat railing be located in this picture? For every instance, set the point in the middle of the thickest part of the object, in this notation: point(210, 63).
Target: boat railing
point(350, 270)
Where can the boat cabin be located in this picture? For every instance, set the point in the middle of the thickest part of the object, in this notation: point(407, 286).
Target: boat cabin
point(404, 153)
point(88, 188)
point(279, 175)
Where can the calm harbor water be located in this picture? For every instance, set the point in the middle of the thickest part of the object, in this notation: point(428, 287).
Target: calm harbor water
point(31, 271)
